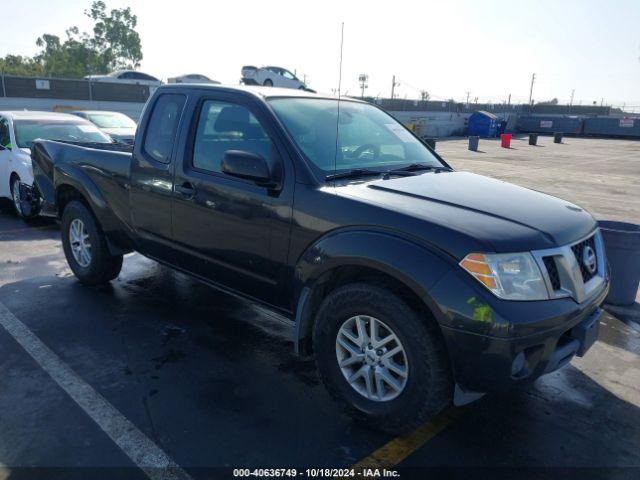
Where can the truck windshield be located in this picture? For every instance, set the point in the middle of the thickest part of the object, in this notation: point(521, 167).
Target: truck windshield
point(365, 137)
point(27, 131)
point(111, 120)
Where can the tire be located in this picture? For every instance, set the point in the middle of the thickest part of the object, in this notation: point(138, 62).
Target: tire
point(268, 83)
point(14, 187)
point(428, 387)
point(101, 266)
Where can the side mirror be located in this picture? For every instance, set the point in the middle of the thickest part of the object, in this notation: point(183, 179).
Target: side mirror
point(249, 166)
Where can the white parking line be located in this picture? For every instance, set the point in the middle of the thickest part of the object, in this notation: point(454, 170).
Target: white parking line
point(150, 458)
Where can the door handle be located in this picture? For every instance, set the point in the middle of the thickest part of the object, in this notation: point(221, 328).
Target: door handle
point(187, 190)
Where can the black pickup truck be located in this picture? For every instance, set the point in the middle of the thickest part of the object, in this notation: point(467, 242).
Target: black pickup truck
point(413, 285)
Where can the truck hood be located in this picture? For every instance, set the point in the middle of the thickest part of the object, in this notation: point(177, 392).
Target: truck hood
point(501, 216)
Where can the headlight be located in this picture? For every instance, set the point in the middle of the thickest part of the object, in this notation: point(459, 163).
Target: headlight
point(511, 276)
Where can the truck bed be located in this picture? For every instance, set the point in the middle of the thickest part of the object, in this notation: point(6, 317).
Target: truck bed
point(106, 165)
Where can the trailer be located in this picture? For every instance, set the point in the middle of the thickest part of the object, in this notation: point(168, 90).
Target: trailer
point(569, 125)
point(628, 127)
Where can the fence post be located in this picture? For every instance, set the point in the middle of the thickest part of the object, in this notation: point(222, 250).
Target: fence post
point(90, 92)
point(4, 90)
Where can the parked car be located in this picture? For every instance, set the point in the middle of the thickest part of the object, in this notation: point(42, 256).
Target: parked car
point(271, 77)
point(126, 76)
point(18, 131)
point(411, 284)
point(115, 124)
point(192, 78)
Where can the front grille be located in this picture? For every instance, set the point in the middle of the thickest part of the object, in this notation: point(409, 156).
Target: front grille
point(552, 270)
point(578, 250)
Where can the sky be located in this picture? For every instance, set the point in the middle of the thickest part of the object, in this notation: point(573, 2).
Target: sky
point(448, 48)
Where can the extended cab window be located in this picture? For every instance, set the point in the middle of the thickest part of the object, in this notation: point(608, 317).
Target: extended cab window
point(163, 126)
point(226, 126)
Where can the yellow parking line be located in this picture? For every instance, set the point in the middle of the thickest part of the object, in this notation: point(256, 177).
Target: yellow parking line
point(401, 447)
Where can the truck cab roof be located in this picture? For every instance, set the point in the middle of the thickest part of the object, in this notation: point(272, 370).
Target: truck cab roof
point(260, 92)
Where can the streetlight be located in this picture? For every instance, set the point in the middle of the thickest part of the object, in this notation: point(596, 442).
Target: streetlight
point(363, 79)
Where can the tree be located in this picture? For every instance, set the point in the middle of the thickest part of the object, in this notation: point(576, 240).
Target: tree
point(424, 95)
point(114, 44)
point(115, 39)
point(19, 65)
point(553, 101)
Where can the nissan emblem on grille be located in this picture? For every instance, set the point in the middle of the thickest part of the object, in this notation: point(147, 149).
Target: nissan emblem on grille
point(589, 259)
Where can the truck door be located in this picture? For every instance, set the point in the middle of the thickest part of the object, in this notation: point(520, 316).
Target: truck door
point(152, 175)
point(231, 231)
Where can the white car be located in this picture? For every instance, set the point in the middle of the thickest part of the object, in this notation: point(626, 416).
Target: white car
point(192, 78)
point(18, 130)
point(126, 76)
point(271, 77)
point(115, 124)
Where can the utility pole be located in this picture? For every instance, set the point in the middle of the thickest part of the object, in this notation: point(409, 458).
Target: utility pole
point(363, 79)
point(601, 101)
point(533, 79)
point(509, 100)
point(394, 84)
point(572, 93)
point(468, 93)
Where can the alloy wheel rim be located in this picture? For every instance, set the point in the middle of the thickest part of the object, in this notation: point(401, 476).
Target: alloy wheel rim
point(80, 243)
point(372, 358)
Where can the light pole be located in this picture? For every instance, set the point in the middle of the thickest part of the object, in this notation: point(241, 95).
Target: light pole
point(394, 84)
point(533, 79)
point(363, 79)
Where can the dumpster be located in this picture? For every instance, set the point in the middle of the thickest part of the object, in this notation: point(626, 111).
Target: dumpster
point(430, 141)
point(482, 124)
point(533, 139)
point(622, 244)
point(474, 140)
point(505, 140)
point(557, 137)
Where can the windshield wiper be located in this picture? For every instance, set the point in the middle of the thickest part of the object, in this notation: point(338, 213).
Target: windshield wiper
point(356, 172)
point(414, 167)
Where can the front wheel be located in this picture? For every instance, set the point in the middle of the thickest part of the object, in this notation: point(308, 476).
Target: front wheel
point(379, 357)
point(85, 246)
point(16, 197)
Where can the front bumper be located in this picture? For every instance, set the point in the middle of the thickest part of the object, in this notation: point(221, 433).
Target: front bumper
point(495, 344)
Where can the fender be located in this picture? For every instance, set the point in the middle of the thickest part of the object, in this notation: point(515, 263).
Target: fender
point(66, 174)
point(414, 263)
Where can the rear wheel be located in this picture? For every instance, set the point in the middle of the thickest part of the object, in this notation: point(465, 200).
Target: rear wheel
point(380, 358)
point(85, 246)
point(268, 83)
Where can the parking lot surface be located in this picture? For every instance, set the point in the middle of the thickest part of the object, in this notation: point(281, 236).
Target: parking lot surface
point(159, 368)
point(601, 175)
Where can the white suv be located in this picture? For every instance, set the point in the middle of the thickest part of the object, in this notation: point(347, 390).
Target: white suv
point(271, 77)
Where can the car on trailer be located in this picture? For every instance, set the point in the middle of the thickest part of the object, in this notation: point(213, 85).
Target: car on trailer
point(271, 77)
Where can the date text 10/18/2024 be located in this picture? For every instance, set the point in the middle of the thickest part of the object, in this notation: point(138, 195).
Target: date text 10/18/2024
point(362, 472)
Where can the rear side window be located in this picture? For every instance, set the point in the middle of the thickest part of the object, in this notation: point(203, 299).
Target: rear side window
point(226, 126)
point(163, 126)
